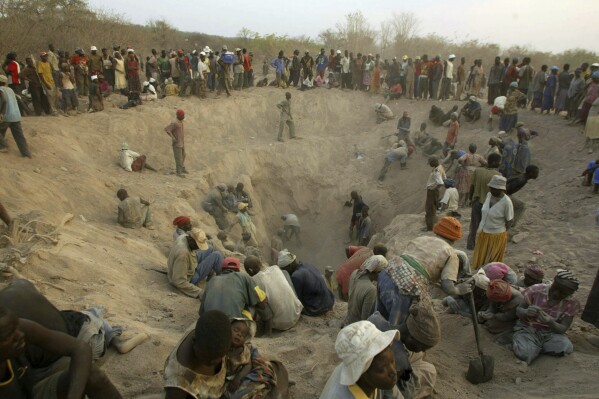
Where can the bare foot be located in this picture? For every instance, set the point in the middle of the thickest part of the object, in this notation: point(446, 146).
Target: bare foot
point(125, 346)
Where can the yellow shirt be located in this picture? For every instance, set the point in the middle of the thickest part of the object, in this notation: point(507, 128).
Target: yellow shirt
point(44, 69)
point(357, 392)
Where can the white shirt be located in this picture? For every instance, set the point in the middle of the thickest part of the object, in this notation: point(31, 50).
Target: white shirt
point(291, 220)
point(126, 158)
point(493, 218)
point(449, 70)
point(434, 179)
point(451, 198)
point(345, 65)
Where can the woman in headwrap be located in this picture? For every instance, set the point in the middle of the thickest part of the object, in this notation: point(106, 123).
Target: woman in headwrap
point(500, 271)
point(503, 302)
point(494, 147)
point(533, 274)
point(545, 316)
point(362, 291)
point(522, 159)
point(132, 68)
point(510, 110)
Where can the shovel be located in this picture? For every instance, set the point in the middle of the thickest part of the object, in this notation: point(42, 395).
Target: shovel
point(480, 369)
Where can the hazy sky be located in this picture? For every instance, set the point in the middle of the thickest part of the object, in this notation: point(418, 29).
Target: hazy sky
point(547, 25)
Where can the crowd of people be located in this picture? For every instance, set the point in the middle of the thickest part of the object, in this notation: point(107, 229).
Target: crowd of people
point(390, 321)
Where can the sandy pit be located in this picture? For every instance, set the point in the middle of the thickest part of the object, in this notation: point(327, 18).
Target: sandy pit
point(96, 262)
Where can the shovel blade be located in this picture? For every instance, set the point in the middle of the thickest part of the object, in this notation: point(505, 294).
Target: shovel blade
point(480, 369)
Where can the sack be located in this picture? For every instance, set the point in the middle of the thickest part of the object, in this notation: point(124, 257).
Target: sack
point(228, 58)
point(285, 306)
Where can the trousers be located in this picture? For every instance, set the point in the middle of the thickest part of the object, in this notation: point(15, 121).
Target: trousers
point(430, 207)
point(179, 153)
point(17, 133)
point(291, 126)
point(528, 343)
point(475, 217)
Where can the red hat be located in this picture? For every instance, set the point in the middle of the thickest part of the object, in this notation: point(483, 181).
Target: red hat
point(181, 220)
point(231, 263)
point(499, 291)
point(43, 53)
point(180, 112)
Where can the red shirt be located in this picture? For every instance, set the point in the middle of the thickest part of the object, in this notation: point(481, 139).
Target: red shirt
point(347, 268)
point(511, 75)
point(13, 67)
point(247, 64)
point(452, 133)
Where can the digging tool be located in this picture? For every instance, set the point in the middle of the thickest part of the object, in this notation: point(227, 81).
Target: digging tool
point(480, 369)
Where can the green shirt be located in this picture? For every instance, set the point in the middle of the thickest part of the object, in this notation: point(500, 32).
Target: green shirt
point(480, 178)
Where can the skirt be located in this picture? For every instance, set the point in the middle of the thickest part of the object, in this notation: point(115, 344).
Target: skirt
point(508, 122)
point(522, 159)
point(366, 75)
point(462, 177)
point(489, 248)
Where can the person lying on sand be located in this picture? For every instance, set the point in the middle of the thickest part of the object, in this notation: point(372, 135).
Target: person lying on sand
point(132, 161)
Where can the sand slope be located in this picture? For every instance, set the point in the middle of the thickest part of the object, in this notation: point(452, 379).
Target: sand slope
point(97, 262)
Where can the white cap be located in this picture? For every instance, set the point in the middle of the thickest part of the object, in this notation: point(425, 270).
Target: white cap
point(338, 51)
point(357, 345)
point(595, 64)
point(94, 77)
point(152, 80)
point(93, 48)
point(202, 53)
point(146, 83)
point(285, 258)
point(451, 56)
point(237, 49)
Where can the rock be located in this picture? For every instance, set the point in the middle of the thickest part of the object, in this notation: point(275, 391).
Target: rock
point(533, 259)
point(37, 170)
point(519, 237)
point(83, 219)
point(64, 169)
point(518, 381)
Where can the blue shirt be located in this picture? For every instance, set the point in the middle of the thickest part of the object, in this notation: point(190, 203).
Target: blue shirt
point(392, 305)
point(278, 64)
point(322, 61)
point(11, 112)
point(312, 290)
point(596, 174)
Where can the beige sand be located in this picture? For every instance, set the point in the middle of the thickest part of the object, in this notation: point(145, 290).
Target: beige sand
point(97, 262)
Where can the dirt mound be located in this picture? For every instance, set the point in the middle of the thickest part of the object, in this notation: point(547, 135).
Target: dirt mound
point(96, 262)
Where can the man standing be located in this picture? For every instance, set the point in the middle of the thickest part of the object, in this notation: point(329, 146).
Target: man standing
point(437, 74)
point(357, 204)
point(447, 78)
point(53, 59)
point(403, 127)
point(345, 71)
point(133, 212)
point(514, 184)
point(152, 65)
point(525, 77)
point(238, 70)
point(224, 73)
point(176, 133)
point(322, 61)
point(294, 70)
point(435, 181)
point(10, 116)
point(410, 75)
point(285, 117)
point(44, 70)
point(495, 79)
point(184, 73)
point(248, 70)
point(164, 65)
point(365, 227)
point(79, 62)
point(478, 192)
point(279, 65)
point(38, 97)
point(461, 79)
point(94, 62)
point(308, 65)
point(108, 67)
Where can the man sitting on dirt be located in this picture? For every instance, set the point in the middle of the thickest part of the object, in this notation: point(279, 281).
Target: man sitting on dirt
point(420, 332)
point(356, 256)
point(182, 263)
point(425, 260)
point(383, 113)
point(362, 291)
point(131, 161)
point(504, 300)
point(545, 315)
point(134, 212)
point(438, 117)
point(286, 308)
point(234, 293)
point(310, 287)
point(471, 110)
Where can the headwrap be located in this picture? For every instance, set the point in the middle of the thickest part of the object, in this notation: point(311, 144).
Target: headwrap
point(567, 279)
point(285, 258)
point(180, 112)
point(449, 183)
point(124, 146)
point(231, 263)
point(481, 280)
point(375, 264)
point(357, 345)
point(449, 228)
point(181, 220)
point(423, 323)
point(499, 291)
point(535, 272)
point(496, 270)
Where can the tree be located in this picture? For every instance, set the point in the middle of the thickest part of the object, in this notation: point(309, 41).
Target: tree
point(247, 34)
point(385, 36)
point(161, 30)
point(405, 27)
point(355, 32)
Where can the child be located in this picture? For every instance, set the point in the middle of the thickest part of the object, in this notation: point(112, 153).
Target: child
point(450, 199)
point(69, 96)
point(249, 375)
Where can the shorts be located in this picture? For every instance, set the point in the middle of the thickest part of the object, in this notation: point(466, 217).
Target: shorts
point(45, 381)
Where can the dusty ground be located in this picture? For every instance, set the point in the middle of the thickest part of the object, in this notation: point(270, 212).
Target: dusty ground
point(96, 262)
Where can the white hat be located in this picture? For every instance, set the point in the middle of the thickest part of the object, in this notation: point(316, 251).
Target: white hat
point(451, 56)
point(472, 98)
point(376, 263)
point(200, 238)
point(94, 77)
point(225, 47)
point(357, 345)
point(338, 51)
point(401, 143)
point(93, 48)
point(130, 50)
point(206, 49)
point(497, 182)
point(146, 83)
point(152, 80)
point(595, 64)
point(480, 279)
point(202, 53)
point(285, 258)
point(124, 146)
point(237, 49)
